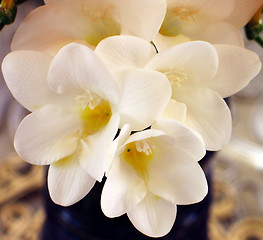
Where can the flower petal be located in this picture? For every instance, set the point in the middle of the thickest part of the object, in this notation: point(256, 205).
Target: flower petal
point(49, 1)
point(174, 110)
point(144, 96)
point(215, 10)
point(163, 42)
point(120, 52)
point(179, 179)
point(185, 137)
point(208, 114)
point(140, 18)
point(94, 155)
point(122, 191)
point(148, 133)
point(68, 182)
point(76, 69)
point(243, 11)
point(222, 33)
point(153, 216)
point(28, 84)
point(198, 60)
point(47, 135)
point(58, 23)
point(48, 28)
point(190, 18)
point(119, 141)
point(237, 66)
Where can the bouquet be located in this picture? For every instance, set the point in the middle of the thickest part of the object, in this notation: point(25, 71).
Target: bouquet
point(130, 90)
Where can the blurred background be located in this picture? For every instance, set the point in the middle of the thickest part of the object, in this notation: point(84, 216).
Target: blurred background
point(237, 209)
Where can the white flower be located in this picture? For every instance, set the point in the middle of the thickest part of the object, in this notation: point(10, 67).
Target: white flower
point(153, 172)
point(243, 12)
point(200, 75)
point(60, 22)
point(77, 108)
point(215, 21)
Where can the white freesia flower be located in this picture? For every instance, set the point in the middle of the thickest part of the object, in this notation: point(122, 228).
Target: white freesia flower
point(200, 75)
point(215, 21)
point(60, 22)
point(243, 12)
point(151, 173)
point(77, 108)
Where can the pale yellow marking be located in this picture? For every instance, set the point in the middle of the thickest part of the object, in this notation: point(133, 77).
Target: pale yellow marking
point(95, 113)
point(139, 154)
point(172, 24)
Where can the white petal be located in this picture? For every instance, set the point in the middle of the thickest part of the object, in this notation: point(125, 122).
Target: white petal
point(190, 18)
point(185, 137)
point(237, 66)
point(47, 28)
point(76, 68)
point(94, 155)
point(208, 114)
point(120, 52)
point(243, 11)
point(198, 60)
point(213, 9)
point(177, 177)
point(47, 135)
point(140, 18)
point(49, 1)
point(163, 42)
point(68, 182)
point(119, 141)
point(174, 110)
point(122, 191)
point(58, 23)
point(25, 73)
point(153, 216)
point(144, 96)
point(222, 33)
point(149, 133)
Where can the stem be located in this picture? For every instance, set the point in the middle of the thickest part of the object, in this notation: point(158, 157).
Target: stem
point(259, 40)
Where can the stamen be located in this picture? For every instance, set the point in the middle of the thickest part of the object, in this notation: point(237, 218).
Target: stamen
point(88, 99)
point(184, 13)
point(96, 14)
point(176, 76)
point(139, 155)
point(144, 146)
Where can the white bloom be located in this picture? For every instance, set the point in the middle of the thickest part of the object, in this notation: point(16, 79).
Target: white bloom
point(200, 75)
point(153, 172)
point(215, 21)
point(243, 12)
point(77, 108)
point(60, 22)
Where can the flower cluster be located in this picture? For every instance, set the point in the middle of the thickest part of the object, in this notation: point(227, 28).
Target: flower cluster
point(93, 72)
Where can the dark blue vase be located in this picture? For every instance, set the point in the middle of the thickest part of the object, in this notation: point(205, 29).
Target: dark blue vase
point(85, 220)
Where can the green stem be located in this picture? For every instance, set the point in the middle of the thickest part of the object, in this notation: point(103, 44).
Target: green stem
point(259, 40)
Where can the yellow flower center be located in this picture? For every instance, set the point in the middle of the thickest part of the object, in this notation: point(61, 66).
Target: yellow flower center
point(102, 23)
point(139, 154)
point(173, 19)
point(95, 113)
